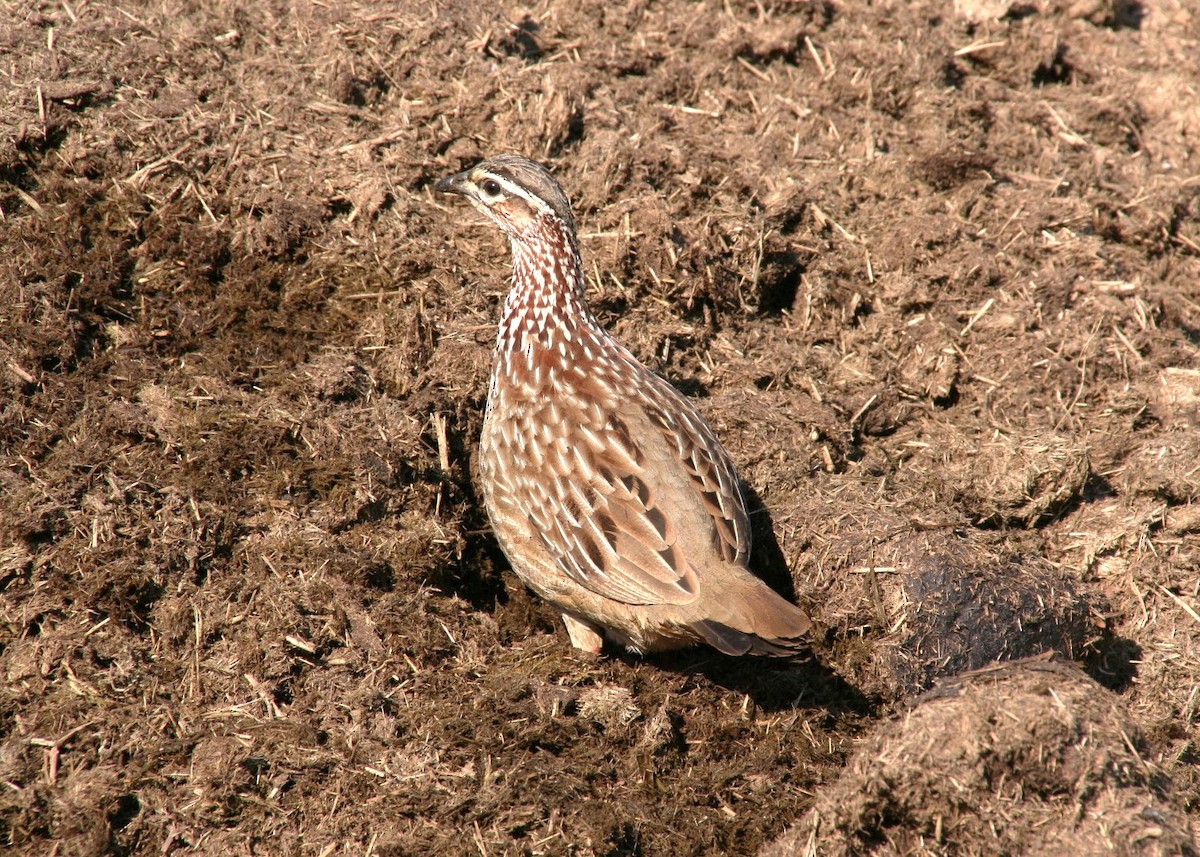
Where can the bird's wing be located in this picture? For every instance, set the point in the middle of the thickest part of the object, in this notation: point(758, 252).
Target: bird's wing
point(709, 467)
point(609, 504)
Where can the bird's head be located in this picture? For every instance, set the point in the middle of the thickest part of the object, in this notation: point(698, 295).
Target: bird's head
point(515, 193)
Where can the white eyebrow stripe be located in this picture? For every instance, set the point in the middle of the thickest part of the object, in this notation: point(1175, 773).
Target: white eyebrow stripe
point(515, 189)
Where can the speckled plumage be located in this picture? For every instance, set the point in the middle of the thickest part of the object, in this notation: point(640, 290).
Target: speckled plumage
point(607, 490)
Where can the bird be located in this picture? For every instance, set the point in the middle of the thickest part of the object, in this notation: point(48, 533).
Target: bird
point(608, 492)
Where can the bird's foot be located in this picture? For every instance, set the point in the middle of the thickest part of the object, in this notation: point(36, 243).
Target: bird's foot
point(584, 635)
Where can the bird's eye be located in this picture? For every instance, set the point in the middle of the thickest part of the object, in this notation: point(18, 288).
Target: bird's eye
point(491, 187)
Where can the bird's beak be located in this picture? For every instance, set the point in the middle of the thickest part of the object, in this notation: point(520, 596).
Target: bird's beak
point(456, 183)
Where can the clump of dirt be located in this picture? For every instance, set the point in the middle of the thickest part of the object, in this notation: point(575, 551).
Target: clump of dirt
point(977, 764)
point(906, 602)
point(930, 270)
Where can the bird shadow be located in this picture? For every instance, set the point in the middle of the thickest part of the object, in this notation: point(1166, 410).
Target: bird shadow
point(772, 684)
point(766, 557)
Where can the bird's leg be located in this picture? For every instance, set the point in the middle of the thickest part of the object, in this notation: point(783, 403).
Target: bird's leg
point(584, 635)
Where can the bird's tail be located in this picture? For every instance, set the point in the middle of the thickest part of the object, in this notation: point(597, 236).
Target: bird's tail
point(760, 622)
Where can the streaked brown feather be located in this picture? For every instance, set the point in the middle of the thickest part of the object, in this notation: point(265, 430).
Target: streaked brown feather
point(599, 519)
point(709, 465)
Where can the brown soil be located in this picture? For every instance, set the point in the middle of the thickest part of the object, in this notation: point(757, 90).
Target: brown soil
point(1028, 746)
point(931, 269)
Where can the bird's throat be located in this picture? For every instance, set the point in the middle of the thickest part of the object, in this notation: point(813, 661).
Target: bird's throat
point(545, 307)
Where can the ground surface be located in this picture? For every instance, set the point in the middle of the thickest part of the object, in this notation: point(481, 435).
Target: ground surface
point(932, 271)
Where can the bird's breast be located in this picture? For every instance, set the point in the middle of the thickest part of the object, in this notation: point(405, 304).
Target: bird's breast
point(550, 403)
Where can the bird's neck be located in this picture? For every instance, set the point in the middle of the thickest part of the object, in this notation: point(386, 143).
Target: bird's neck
point(545, 308)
